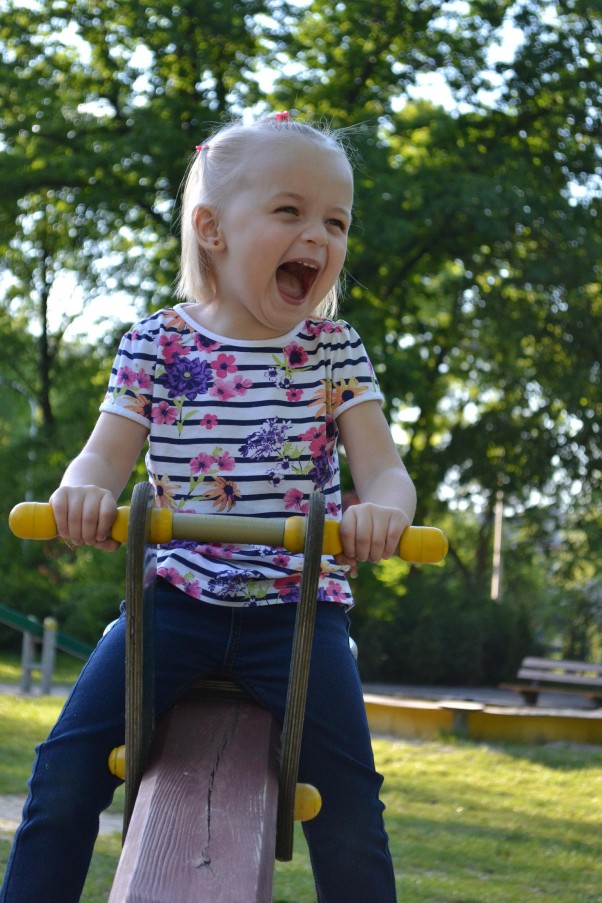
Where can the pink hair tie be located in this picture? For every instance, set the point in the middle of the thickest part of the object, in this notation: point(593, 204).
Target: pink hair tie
point(201, 147)
point(282, 117)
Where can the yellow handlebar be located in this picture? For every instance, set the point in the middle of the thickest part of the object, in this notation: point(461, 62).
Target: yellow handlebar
point(419, 545)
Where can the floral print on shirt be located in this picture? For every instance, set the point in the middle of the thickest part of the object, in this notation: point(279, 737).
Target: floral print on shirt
point(240, 428)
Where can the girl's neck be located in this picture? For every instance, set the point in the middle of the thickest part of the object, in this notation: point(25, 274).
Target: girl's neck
point(207, 316)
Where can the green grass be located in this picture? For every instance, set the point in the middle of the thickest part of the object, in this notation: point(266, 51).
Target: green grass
point(25, 722)
point(479, 824)
point(468, 823)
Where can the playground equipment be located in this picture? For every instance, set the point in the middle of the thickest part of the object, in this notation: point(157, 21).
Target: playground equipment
point(49, 637)
point(34, 634)
point(209, 800)
point(35, 520)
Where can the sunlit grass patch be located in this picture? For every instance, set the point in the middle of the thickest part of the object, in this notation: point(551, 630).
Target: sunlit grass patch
point(468, 823)
point(471, 822)
point(26, 721)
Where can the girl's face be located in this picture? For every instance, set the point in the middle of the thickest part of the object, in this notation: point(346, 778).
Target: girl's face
point(279, 242)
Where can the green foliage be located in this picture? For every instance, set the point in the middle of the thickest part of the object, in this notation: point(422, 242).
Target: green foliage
point(474, 275)
point(94, 585)
point(420, 628)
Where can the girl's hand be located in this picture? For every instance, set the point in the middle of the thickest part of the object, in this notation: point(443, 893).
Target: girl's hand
point(370, 532)
point(84, 515)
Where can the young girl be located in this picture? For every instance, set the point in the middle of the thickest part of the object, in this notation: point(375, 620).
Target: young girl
point(242, 393)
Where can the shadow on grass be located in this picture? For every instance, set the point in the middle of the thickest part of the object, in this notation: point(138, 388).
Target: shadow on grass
point(561, 755)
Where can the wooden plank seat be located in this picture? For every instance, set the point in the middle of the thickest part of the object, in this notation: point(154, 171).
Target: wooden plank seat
point(570, 677)
point(204, 829)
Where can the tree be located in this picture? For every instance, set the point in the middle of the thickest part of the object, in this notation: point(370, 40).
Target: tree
point(100, 107)
point(475, 259)
point(476, 264)
point(106, 103)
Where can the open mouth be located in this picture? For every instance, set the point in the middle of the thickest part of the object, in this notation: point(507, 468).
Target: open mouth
point(295, 278)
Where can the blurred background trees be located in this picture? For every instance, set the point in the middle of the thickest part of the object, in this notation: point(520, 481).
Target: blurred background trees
point(473, 277)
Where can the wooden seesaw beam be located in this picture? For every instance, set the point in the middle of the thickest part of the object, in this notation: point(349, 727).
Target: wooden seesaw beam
point(204, 823)
point(203, 829)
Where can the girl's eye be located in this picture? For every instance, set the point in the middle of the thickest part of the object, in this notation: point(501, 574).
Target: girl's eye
point(339, 224)
point(291, 210)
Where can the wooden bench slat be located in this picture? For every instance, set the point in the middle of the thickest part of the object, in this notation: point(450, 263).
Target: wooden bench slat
point(547, 664)
point(557, 677)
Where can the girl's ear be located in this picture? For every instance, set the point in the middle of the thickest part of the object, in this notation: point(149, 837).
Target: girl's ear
point(207, 228)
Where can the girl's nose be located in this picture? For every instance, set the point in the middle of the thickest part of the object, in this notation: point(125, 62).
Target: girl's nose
point(316, 233)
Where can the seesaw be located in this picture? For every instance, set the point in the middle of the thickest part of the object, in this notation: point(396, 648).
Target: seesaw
point(211, 794)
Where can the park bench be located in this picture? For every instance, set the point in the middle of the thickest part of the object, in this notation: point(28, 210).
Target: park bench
point(571, 677)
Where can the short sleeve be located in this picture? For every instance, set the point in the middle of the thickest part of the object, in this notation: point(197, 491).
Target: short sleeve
point(130, 389)
point(353, 380)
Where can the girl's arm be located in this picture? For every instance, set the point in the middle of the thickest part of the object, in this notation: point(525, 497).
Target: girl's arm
point(372, 530)
point(85, 503)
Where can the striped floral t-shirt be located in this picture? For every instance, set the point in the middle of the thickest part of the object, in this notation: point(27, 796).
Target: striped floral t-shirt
point(247, 427)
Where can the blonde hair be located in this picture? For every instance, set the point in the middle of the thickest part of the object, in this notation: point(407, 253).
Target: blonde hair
point(213, 173)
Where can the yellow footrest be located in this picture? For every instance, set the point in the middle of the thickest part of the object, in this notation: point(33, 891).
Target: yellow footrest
point(308, 801)
point(117, 762)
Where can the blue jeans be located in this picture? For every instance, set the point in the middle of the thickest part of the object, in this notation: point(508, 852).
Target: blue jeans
point(71, 784)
